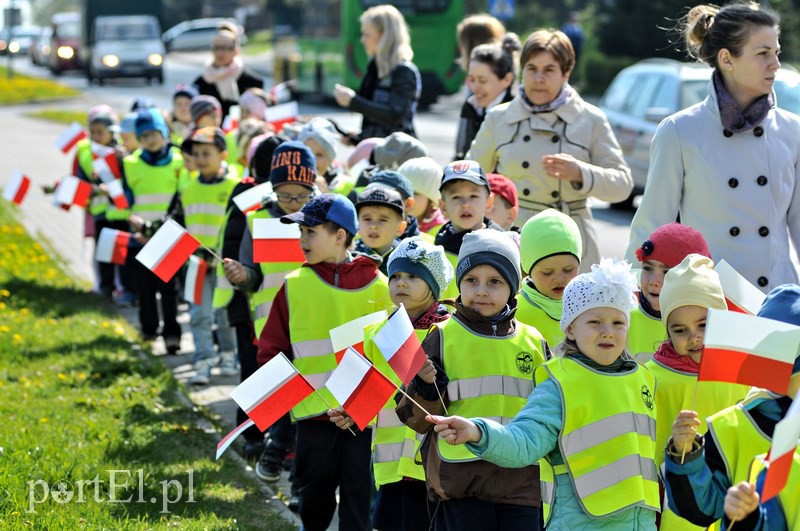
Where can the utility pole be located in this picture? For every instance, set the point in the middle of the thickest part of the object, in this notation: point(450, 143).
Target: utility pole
point(11, 16)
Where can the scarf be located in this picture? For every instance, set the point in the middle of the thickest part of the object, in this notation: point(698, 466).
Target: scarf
point(552, 307)
point(436, 219)
point(667, 355)
point(435, 314)
point(646, 307)
point(732, 116)
point(225, 78)
point(161, 157)
point(561, 99)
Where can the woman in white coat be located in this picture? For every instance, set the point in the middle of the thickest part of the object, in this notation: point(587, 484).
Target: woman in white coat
point(555, 147)
point(729, 164)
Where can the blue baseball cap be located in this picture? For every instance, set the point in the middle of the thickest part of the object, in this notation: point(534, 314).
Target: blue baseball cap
point(324, 208)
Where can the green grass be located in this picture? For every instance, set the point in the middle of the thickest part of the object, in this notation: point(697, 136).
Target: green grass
point(78, 400)
point(258, 42)
point(62, 116)
point(23, 89)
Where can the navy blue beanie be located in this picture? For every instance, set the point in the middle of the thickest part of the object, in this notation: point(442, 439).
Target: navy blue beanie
point(151, 120)
point(293, 163)
point(783, 304)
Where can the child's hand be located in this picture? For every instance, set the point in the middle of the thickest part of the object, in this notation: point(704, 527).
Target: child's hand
point(684, 430)
point(741, 500)
point(455, 430)
point(340, 418)
point(137, 223)
point(234, 271)
point(428, 372)
point(141, 238)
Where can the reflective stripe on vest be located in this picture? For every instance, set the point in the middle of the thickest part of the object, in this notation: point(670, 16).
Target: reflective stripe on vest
point(306, 293)
point(609, 451)
point(492, 386)
point(153, 186)
point(530, 313)
point(645, 333)
point(204, 209)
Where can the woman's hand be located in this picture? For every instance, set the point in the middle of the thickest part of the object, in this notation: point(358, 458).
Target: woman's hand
point(455, 430)
point(342, 420)
point(428, 372)
point(562, 166)
point(343, 95)
point(684, 430)
point(741, 500)
point(234, 271)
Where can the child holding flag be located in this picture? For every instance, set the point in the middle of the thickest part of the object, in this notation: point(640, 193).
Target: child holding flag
point(484, 362)
point(714, 480)
point(598, 463)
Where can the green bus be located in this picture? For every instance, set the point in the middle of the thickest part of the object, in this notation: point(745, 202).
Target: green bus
point(318, 44)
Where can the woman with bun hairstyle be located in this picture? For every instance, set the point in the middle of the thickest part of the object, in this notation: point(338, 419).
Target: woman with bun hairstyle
point(729, 164)
point(490, 80)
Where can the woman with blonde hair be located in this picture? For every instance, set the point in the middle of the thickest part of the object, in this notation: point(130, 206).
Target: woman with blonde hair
point(391, 88)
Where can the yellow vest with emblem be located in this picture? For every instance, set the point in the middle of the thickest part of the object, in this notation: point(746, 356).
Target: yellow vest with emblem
point(204, 208)
point(490, 376)
point(531, 314)
point(789, 496)
point(645, 333)
point(153, 186)
point(394, 445)
point(309, 327)
point(609, 451)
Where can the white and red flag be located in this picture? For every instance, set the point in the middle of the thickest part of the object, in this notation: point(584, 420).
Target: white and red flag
point(105, 159)
point(783, 453)
point(360, 388)
point(117, 194)
point(71, 136)
point(16, 188)
point(226, 441)
point(72, 191)
point(281, 92)
point(231, 121)
point(250, 200)
point(748, 350)
point(400, 346)
point(195, 279)
point(167, 250)
point(276, 242)
point(112, 246)
point(351, 334)
point(282, 114)
point(740, 294)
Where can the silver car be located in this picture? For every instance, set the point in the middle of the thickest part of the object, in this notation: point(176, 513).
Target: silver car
point(644, 94)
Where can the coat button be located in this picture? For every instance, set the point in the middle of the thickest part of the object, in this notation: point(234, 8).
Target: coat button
point(525, 164)
point(555, 139)
point(734, 231)
point(554, 194)
point(763, 232)
point(526, 192)
point(727, 132)
point(733, 182)
point(758, 131)
point(526, 138)
point(763, 281)
point(762, 180)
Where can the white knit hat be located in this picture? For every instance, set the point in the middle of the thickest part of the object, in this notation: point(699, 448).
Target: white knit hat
point(610, 285)
point(428, 261)
point(425, 175)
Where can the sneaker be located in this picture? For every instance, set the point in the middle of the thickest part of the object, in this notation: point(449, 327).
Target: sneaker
point(229, 365)
point(294, 503)
point(268, 470)
point(252, 450)
point(126, 300)
point(202, 373)
point(173, 345)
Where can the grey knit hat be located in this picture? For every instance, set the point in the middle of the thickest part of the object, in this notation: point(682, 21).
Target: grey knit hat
point(418, 257)
point(396, 149)
point(610, 285)
point(491, 247)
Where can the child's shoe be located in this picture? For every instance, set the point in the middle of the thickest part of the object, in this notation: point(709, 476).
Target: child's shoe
point(202, 373)
point(229, 365)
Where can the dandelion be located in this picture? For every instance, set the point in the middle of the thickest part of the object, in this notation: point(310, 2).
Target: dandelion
point(5, 293)
point(43, 420)
point(61, 376)
point(2, 306)
point(24, 311)
point(17, 338)
point(4, 329)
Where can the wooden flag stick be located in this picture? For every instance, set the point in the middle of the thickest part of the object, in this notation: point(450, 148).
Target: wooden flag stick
point(331, 407)
point(211, 251)
point(414, 401)
point(730, 526)
point(694, 403)
point(440, 398)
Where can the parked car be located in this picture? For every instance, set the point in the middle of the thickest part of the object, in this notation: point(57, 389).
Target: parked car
point(40, 49)
point(642, 95)
point(19, 41)
point(196, 34)
point(65, 43)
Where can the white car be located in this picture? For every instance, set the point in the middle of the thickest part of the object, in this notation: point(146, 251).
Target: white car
point(196, 34)
point(126, 46)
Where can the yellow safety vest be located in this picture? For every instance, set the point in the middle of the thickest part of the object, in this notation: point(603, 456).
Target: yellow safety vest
point(204, 208)
point(607, 440)
point(789, 497)
point(98, 203)
point(490, 376)
point(309, 327)
point(342, 184)
point(153, 186)
point(232, 147)
point(645, 333)
point(531, 314)
point(223, 289)
point(433, 231)
point(452, 288)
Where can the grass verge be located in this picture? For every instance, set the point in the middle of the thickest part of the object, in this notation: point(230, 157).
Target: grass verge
point(94, 435)
point(62, 116)
point(24, 89)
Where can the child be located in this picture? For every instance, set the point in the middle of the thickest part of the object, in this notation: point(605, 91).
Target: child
point(550, 247)
point(664, 249)
point(425, 176)
point(716, 478)
point(418, 273)
point(380, 223)
point(690, 290)
point(466, 197)
point(484, 362)
point(127, 133)
point(206, 111)
point(591, 416)
point(181, 117)
point(506, 202)
point(202, 205)
point(346, 287)
point(395, 181)
point(320, 137)
point(252, 104)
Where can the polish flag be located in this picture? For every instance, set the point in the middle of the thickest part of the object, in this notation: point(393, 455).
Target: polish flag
point(112, 246)
point(401, 346)
point(748, 350)
point(271, 391)
point(281, 114)
point(109, 156)
point(117, 194)
point(783, 453)
point(195, 278)
point(74, 134)
point(72, 191)
point(281, 92)
point(740, 294)
point(226, 441)
point(250, 199)
point(231, 121)
point(16, 188)
point(167, 250)
point(360, 388)
point(352, 334)
point(276, 242)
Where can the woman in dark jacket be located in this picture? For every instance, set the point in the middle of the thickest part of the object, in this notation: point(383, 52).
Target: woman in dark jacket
point(391, 88)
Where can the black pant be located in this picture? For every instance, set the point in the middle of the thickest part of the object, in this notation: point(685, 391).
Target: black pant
point(282, 436)
point(246, 351)
point(327, 458)
point(149, 286)
point(472, 513)
point(106, 271)
point(403, 506)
